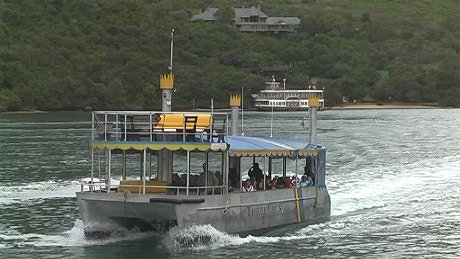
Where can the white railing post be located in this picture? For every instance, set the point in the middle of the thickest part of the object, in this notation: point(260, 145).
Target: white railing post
point(143, 177)
point(105, 126)
point(92, 126)
point(92, 170)
point(188, 171)
point(109, 165)
point(126, 126)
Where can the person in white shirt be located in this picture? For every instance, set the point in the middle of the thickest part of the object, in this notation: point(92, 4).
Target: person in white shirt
point(248, 187)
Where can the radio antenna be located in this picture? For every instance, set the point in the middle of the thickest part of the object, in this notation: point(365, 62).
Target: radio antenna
point(172, 48)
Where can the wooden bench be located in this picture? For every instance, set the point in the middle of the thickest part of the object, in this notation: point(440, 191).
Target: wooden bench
point(135, 186)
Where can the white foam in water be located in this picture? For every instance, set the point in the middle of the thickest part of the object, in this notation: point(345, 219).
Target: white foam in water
point(37, 190)
point(43, 190)
point(207, 237)
point(78, 162)
point(73, 237)
point(387, 189)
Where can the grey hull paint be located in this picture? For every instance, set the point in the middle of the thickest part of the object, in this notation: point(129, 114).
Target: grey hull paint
point(237, 212)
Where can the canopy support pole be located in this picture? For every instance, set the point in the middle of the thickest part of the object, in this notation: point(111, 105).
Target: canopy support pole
point(92, 170)
point(188, 171)
point(109, 168)
point(144, 154)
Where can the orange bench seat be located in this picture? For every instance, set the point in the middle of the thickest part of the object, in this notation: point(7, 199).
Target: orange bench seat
point(135, 186)
point(176, 121)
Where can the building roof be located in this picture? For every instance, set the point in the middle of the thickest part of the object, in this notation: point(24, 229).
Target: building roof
point(248, 12)
point(283, 20)
point(210, 14)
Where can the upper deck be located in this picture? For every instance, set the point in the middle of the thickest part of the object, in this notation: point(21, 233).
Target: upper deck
point(179, 128)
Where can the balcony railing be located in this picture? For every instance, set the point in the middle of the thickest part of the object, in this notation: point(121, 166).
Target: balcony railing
point(159, 126)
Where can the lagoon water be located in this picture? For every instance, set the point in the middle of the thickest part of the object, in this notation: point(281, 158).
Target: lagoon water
point(393, 177)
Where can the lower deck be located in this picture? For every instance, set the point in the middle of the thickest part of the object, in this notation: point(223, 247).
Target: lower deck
point(238, 212)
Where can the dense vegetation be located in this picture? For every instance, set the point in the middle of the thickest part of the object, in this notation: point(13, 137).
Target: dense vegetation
point(64, 54)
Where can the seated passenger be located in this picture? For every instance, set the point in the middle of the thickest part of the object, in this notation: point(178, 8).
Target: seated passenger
point(212, 179)
point(287, 182)
point(306, 181)
point(269, 184)
point(310, 174)
point(275, 182)
point(260, 186)
point(254, 182)
point(279, 182)
point(294, 181)
point(177, 180)
point(183, 178)
point(248, 187)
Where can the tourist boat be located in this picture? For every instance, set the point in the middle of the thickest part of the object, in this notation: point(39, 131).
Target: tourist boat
point(156, 170)
point(273, 97)
point(156, 155)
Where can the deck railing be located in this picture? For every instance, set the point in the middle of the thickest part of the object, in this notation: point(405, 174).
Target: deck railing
point(102, 186)
point(159, 126)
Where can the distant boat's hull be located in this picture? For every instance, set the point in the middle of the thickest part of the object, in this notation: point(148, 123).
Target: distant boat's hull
point(253, 212)
point(292, 108)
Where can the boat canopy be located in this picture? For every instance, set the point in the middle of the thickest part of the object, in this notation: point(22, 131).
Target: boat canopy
point(172, 146)
point(272, 147)
point(301, 147)
point(238, 146)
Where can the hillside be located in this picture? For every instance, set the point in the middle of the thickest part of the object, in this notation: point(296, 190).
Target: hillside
point(65, 55)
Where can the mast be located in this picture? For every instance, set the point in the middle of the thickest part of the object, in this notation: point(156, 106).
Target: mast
point(235, 101)
point(172, 48)
point(234, 163)
point(242, 111)
point(167, 82)
point(313, 102)
point(165, 157)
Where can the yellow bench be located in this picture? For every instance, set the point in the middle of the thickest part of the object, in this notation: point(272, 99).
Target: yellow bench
point(175, 122)
point(135, 186)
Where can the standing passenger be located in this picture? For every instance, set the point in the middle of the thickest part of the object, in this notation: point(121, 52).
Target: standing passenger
point(256, 172)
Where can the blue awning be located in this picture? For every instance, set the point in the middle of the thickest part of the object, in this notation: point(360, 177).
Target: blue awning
point(302, 146)
point(272, 147)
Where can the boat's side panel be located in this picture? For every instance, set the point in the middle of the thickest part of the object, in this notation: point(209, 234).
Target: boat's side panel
point(237, 212)
point(247, 212)
point(103, 208)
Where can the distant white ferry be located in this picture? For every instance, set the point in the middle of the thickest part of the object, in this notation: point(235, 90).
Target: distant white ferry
point(277, 98)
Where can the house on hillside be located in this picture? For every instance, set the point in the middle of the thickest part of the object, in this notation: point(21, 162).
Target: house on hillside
point(252, 19)
point(249, 15)
point(207, 15)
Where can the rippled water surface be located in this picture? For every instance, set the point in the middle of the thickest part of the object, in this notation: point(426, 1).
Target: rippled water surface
point(393, 177)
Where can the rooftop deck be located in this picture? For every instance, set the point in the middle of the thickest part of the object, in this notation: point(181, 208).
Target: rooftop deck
point(143, 126)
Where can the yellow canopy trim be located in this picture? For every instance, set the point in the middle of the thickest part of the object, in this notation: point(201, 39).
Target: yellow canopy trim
point(308, 152)
point(156, 146)
point(260, 153)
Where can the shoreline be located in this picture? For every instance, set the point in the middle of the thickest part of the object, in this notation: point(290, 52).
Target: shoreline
point(375, 106)
point(24, 112)
point(347, 106)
